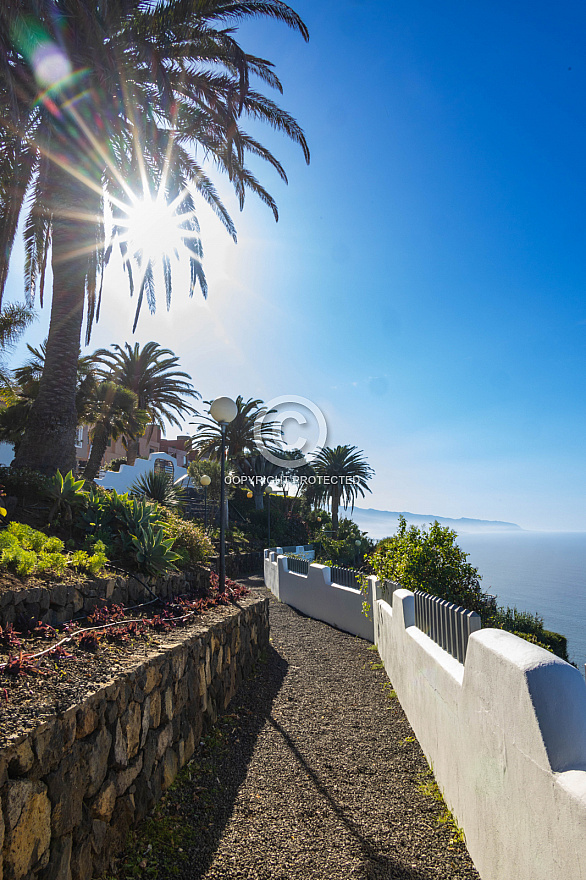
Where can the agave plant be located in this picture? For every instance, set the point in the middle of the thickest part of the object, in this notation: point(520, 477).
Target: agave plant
point(67, 494)
point(159, 487)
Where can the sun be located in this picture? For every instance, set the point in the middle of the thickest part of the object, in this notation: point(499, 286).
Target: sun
point(152, 228)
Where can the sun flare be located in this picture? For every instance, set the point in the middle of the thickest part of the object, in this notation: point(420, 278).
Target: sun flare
point(153, 229)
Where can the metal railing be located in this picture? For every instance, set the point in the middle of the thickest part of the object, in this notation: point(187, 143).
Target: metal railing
point(298, 565)
point(447, 624)
point(345, 577)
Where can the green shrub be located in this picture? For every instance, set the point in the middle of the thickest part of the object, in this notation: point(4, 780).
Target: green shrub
point(430, 560)
point(27, 551)
point(23, 483)
point(343, 550)
point(527, 626)
point(189, 539)
point(115, 464)
point(131, 530)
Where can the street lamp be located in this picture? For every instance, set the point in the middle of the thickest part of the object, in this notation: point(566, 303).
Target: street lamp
point(224, 411)
point(358, 544)
point(205, 482)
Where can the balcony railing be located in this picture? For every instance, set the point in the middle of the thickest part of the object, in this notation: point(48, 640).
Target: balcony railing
point(298, 565)
point(447, 624)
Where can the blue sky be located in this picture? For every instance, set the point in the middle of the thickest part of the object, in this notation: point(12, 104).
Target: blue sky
point(425, 283)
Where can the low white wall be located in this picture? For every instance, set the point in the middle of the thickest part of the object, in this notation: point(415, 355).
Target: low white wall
point(315, 595)
point(123, 479)
point(506, 737)
point(299, 551)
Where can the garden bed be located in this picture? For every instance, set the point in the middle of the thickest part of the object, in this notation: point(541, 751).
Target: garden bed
point(45, 669)
point(91, 738)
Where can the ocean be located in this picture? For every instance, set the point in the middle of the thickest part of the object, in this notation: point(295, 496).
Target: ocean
point(540, 572)
point(543, 572)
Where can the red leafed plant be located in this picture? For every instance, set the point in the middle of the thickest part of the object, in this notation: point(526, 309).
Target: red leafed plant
point(8, 637)
point(89, 641)
point(22, 665)
point(45, 630)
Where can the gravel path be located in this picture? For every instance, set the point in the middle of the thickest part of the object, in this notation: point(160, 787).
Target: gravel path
point(314, 773)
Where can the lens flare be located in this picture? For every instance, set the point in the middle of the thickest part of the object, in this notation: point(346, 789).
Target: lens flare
point(50, 64)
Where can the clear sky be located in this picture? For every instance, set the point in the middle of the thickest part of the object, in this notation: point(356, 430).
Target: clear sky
point(425, 283)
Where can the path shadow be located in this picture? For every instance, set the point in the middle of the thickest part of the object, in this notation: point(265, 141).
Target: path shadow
point(378, 864)
point(204, 804)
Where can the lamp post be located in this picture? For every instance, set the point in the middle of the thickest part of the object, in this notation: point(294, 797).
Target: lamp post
point(205, 482)
point(358, 544)
point(224, 411)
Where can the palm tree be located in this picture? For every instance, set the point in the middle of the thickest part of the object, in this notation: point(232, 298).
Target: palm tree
point(115, 411)
point(240, 439)
point(109, 103)
point(150, 373)
point(342, 474)
point(14, 319)
point(25, 389)
point(241, 447)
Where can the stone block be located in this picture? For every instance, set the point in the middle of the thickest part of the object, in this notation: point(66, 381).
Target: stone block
point(186, 749)
point(87, 720)
point(152, 678)
point(125, 778)
point(67, 788)
point(131, 726)
point(59, 595)
point(120, 747)
point(122, 820)
point(59, 867)
point(104, 802)
point(155, 710)
point(98, 835)
point(164, 740)
point(178, 663)
point(97, 760)
point(28, 814)
point(20, 757)
point(167, 714)
point(81, 861)
point(170, 765)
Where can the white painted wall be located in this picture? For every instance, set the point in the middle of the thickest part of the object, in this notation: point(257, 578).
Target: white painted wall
point(505, 735)
point(315, 595)
point(122, 480)
point(299, 551)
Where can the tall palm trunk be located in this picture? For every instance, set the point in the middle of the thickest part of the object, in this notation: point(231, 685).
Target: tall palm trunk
point(132, 450)
point(100, 440)
point(335, 505)
point(258, 491)
point(49, 440)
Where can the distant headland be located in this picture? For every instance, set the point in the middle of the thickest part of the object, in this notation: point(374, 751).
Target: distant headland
point(379, 523)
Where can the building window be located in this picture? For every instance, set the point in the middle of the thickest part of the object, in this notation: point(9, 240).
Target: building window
point(79, 438)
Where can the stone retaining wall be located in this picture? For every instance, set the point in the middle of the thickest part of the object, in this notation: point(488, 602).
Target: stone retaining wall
point(72, 788)
point(59, 602)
